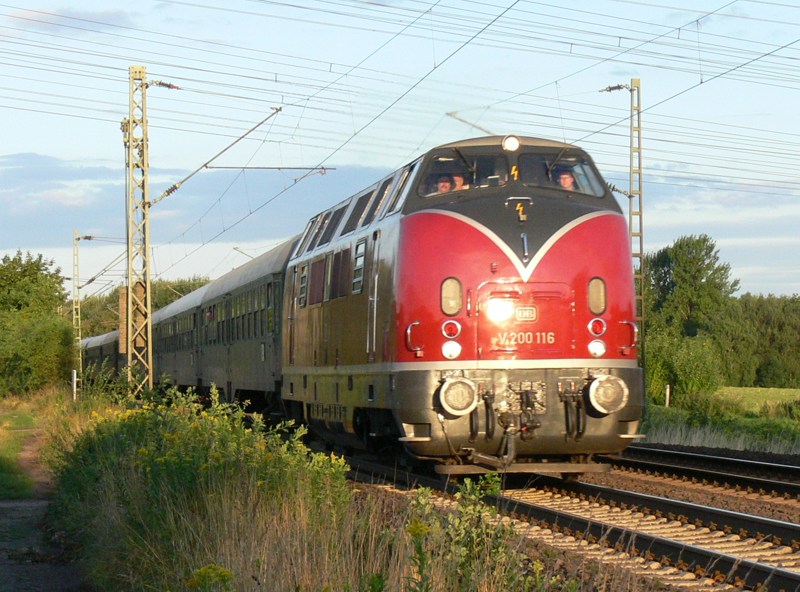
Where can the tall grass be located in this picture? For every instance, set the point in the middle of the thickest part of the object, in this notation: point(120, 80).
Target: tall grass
point(16, 419)
point(174, 496)
point(719, 421)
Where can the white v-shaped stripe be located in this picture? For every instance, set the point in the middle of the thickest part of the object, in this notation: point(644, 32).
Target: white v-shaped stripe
point(525, 271)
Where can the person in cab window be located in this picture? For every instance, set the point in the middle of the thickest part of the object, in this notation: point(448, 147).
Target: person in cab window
point(458, 182)
point(444, 184)
point(566, 180)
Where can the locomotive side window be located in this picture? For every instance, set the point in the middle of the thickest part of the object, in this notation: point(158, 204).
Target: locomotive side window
point(333, 224)
point(400, 188)
point(303, 242)
point(358, 266)
point(321, 226)
point(380, 197)
point(358, 210)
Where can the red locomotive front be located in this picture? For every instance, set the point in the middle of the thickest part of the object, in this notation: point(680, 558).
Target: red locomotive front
point(516, 342)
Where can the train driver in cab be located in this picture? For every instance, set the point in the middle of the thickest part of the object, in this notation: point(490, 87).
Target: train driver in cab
point(566, 180)
point(444, 184)
point(459, 183)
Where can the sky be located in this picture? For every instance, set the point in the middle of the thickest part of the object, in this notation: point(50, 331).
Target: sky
point(277, 109)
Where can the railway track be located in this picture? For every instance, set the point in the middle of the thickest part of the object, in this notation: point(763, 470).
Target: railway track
point(777, 480)
point(688, 546)
point(744, 551)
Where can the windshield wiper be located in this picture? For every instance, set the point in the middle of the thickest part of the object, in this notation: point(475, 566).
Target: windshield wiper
point(555, 162)
point(470, 168)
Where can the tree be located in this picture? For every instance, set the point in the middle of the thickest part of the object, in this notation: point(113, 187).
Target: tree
point(777, 349)
point(36, 346)
point(29, 283)
point(690, 337)
point(687, 285)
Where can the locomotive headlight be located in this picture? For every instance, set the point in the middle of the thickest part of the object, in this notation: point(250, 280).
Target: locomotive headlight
point(458, 396)
point(608, 394)
point(511, 143)
point(597, 348)
point(499, 310)
point(451, 349)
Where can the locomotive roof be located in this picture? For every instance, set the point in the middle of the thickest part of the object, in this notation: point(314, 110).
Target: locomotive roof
point(524, 141)
point(273, 261)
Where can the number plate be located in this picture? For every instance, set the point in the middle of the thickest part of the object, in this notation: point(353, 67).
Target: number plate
point(526, 314)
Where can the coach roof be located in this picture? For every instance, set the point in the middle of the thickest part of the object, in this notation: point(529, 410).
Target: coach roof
point(273, 261)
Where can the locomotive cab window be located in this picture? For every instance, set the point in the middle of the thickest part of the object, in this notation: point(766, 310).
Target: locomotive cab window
point(559, 171)
point(400, 190)
point(456, 171)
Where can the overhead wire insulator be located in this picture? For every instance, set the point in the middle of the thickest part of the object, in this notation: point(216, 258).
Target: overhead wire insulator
point(164, 85)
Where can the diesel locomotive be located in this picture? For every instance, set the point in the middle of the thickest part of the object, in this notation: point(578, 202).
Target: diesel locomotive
point(475, 307)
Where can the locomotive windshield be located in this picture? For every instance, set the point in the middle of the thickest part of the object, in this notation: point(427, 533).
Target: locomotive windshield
point(454, 170)
point(459, 170)
point(557, 170)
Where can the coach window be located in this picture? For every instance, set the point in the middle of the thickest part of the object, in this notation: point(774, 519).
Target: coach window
point(358, 266)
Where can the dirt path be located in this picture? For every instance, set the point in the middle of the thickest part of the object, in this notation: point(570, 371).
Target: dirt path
point(29, 560)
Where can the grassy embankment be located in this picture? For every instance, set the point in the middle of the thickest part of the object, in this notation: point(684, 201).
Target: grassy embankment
point(756, 420)
point(172, 496)
point(178, 497)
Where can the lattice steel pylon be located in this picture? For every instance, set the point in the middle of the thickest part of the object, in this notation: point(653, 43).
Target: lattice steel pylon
point(76, 306)
point(635, 208)
point(137, 324)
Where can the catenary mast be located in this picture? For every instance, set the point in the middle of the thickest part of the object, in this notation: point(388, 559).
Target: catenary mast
point(136, 323)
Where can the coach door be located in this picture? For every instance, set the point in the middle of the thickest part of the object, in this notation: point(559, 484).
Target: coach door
point(226, 337)
point(525, 321)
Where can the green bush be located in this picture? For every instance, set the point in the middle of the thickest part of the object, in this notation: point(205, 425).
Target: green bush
point(137, 485)
point(690, 365)
point(36, 350)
